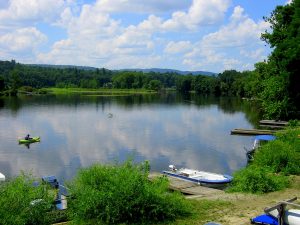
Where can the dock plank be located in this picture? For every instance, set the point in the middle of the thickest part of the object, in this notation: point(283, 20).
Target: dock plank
point(240, 131)
point(274, 122)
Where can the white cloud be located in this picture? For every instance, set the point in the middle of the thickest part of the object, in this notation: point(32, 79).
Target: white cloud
point(255, 54)
point(239, 32)
point(22, 40)
point(174, 33)
point(20, 11)
point(138, 6)
point(201, 13)
point(177, 47)
point(230, 46)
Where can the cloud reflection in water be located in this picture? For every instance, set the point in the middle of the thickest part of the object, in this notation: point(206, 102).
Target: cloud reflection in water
point(78, 135)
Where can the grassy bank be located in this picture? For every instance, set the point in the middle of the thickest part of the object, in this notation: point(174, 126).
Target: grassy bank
point(99, 91)
point(273, 164)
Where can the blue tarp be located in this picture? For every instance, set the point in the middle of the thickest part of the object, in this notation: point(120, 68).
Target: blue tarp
point(265, 220)
point(265, 137)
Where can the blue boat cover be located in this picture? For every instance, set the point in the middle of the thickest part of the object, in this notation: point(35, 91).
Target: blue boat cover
point(52, 180)
point(265, 137)
point(265, 220)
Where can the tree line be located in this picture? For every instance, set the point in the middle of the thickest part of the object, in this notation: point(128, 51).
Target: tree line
point(15, 75)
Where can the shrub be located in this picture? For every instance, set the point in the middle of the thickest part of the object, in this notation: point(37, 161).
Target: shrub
point(16, 198)
point(122, 193)
point(291, 137)
point(27, 89)
point(253, 179)
point(279, 156)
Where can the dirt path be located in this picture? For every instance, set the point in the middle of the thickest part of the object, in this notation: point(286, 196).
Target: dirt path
point(246, 206)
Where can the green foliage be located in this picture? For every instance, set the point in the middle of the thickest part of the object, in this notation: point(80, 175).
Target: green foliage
point(290, 136)
point(155, 85)
point(123, 194)
point(27, 89)
point(274, 96)
point(15, 81)
point(284, 61)
point(16, 198)
point(2, 83)
point(254, 179)
point(206, 85)
point(279, 157)
point(272, 163)
point(293, 123)
point(230, 84)
point(184, 84)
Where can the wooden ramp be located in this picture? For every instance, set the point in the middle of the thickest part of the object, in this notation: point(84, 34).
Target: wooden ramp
point(188, 188)
point(251, 131)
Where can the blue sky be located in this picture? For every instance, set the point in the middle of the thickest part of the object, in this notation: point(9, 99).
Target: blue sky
point(212, 35)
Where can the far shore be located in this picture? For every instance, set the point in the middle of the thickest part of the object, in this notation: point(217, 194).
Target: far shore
point(98, 91)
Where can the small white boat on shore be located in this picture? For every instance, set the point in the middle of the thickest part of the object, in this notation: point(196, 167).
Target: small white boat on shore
point(2, 177)
point(199, 177)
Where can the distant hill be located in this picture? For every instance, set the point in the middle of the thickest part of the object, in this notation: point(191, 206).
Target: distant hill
point(156, 70)
point(159, 70)
point(64, 66)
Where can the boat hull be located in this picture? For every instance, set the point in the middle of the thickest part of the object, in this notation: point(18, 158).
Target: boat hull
point(32, 140)
point(2, 177)
point(220, 183)
point(291, 216)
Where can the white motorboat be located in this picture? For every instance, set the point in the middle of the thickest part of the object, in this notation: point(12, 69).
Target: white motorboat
point(2, 177)
point(199, 177)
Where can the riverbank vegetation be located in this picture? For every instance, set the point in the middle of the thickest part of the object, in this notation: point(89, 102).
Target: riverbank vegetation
point(273, 165)
point(116, 194)
point(100, 194)
point(23, 203)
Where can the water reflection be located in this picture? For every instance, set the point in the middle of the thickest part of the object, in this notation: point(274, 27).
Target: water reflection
point(78, 130)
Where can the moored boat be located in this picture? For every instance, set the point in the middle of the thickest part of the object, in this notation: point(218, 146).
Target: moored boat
point(258, 140)
point(199, 177)
point(2, 177)
point(31, 140)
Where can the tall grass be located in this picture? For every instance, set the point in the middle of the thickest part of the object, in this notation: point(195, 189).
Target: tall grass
point(280, 157)
point(122, 193)
point(16, 198)
point(254, 179)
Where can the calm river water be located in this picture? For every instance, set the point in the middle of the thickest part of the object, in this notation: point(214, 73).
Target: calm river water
point(77, 131)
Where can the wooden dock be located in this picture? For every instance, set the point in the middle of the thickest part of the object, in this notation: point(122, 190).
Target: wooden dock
point(191, 190)
point(273, 122)
point(251, 131)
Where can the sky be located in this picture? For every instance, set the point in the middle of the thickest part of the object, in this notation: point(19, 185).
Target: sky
point(207, 35)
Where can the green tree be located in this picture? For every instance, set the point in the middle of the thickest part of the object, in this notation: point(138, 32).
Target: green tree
point(15, 81)
point(155, 85)
point(184, 84)
point(284, 61)
point(205, 84)
point(2, 84)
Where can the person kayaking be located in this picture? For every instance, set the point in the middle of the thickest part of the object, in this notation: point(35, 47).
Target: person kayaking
point(28, 137)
